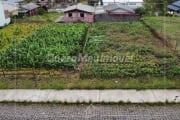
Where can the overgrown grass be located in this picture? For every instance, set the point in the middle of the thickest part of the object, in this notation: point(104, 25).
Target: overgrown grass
point(131, 40)
point(169, 27)
point(131, 83)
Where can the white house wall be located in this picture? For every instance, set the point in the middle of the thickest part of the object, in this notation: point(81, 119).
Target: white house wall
point(2, 16)
point(3, 21)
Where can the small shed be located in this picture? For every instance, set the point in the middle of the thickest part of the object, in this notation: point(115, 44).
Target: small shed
point(79, 13)
point(32, 8)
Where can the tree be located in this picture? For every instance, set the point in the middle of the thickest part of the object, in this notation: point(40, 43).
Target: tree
point(160, 6)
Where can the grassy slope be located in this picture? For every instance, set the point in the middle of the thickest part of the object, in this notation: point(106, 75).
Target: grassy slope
point(168, 27)
point(132, 83)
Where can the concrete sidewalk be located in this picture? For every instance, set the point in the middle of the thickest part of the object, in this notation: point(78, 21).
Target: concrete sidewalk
point(98, 96)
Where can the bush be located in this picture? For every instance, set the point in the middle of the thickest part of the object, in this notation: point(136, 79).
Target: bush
point(174, 71)
point(141, 11)
point(41, 11)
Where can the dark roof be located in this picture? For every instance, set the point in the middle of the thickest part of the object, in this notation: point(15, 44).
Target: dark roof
point(30, 6)
point(112, 7)
point(175, 6)
point(22, 10)
point(81, 7)
point(177, 3)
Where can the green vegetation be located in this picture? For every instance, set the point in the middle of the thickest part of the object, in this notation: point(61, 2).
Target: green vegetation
point(9, 33)
point(153, 6)
point(46, 47)
point(167, 27)
point(123, 55)
point(131, 83)
point(138, 52)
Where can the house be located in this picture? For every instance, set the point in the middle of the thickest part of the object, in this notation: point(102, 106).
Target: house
point(133, 4)
point(4, 16)
point(79, 13)
point(17, 3)
point(115, 13)
point(109, 13)
point(12, 9)
point(30, 9)
point(174, 7)
point(118, 9)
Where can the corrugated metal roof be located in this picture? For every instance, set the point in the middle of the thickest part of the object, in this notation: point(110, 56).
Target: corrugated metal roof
point(81, 7)
point(30, 6)
point(22, 10)
point(177, 3)
point(99, 10)
point(112, 7)
point(10, 8)
point(172, 7)
point(15, 1)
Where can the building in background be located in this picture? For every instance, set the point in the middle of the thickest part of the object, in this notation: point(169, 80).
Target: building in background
point(12, 9)
point(4, 16)
point(174, 7)
point(108, 13)
point(115, 13)
point(134, 4)
point(79, 13)
point(118, 9)
point(28, 9)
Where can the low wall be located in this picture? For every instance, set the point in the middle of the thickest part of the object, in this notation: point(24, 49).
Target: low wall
point(96, 96)
point(115, 18)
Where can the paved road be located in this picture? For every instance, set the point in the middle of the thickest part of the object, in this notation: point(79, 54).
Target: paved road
point(88, 112)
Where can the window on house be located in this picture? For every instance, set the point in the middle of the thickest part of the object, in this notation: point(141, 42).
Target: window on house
point(69, 14)
point(81, 14)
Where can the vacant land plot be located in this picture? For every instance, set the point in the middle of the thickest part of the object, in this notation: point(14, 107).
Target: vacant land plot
point(115, 55)
point(135, 50)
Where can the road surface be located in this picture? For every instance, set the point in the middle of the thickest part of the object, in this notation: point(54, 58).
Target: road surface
point(88, 112)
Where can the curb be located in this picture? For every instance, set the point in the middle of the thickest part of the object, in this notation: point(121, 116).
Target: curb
point(91, 96)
